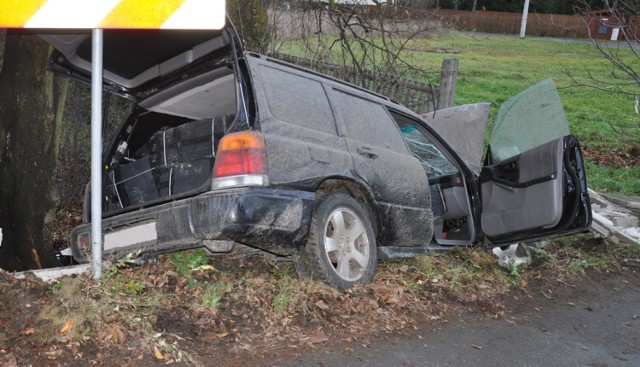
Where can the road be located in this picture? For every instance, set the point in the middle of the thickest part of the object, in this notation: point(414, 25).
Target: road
point(594, 323)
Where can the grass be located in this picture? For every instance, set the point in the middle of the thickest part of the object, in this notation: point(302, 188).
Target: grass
point(494, 68)
point(286, 290)
point(462, 268)
point(187, 261)
point(468, 268)
point(213, 294)
point(285, 296)
point(632, 251)
point(574, 256)
point(612, 179)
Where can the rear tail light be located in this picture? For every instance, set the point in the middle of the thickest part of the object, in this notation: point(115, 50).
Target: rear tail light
point(241, 161)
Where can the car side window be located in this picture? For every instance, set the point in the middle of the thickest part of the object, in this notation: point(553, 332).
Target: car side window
point(434, 161)
point(298, 100)
point(369, 122)
point(530, 119)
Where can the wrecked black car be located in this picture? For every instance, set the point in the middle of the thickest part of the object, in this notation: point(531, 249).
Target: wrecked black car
point(227, 147)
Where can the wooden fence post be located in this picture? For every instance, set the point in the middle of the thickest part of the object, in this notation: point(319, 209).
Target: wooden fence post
point(447, 90)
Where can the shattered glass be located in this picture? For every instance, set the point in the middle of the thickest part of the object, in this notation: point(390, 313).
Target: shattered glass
point(435, 163)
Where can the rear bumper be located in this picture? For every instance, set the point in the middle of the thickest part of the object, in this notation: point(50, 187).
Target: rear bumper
point(273, 220)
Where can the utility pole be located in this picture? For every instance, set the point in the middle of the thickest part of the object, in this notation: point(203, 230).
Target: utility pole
point(525, 13)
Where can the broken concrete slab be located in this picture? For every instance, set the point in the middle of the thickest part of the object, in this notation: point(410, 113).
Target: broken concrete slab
point(613, 221)
point(629, 202)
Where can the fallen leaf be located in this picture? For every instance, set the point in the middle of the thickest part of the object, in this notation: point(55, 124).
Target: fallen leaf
point(322, 305)
point(318, 337)
point(156, 353)
point(386, 292)
point(209, 338)
point(117, 334)
point(51, 354)
point(67, 326)
point(222, 334)
point(204, 267)
point(28, 331)
point(285, 321)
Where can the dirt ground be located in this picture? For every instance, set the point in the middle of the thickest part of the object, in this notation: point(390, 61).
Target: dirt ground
point(160, 314)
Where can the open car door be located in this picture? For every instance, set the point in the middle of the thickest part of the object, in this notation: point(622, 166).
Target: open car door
point(533, 184)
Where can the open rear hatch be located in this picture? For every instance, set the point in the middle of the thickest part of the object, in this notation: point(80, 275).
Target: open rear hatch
point(138, 63)
point(186, 85)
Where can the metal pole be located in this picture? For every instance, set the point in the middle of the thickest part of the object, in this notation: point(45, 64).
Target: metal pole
point(96, 152)
point(525, 14)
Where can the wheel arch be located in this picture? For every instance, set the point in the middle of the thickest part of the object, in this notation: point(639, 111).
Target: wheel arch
point(359, 191)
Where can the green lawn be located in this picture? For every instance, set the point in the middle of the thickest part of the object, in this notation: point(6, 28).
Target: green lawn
point(494, 68)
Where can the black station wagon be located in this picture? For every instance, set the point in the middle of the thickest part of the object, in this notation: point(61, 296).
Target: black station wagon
point(227, 147)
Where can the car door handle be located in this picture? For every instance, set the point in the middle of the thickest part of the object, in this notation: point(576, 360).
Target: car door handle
point(367, 153)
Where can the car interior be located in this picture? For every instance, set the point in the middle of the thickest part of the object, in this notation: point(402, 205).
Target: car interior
point(452, 218)
point(167, 146)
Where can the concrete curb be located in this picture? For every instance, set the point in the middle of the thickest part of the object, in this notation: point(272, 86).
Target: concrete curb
point(52, 274)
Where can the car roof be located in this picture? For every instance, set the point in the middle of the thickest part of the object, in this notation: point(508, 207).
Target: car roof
point(336, 82)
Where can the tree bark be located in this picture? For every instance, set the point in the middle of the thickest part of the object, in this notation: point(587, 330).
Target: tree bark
point(31, 106)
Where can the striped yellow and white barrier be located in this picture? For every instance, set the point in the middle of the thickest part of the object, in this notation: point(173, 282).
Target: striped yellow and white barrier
point(96, 14)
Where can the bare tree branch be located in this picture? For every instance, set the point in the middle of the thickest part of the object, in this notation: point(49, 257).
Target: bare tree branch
point(624, 57)
point(369, 38)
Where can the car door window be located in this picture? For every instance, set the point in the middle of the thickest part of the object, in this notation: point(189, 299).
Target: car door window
point(528, 120)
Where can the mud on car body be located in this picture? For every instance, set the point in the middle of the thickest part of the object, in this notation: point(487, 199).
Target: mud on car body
point(227, 147)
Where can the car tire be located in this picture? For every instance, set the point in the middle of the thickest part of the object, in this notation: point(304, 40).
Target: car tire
point(341, 247)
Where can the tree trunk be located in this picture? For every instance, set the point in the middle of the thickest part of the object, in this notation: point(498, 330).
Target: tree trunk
point(31, 106)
